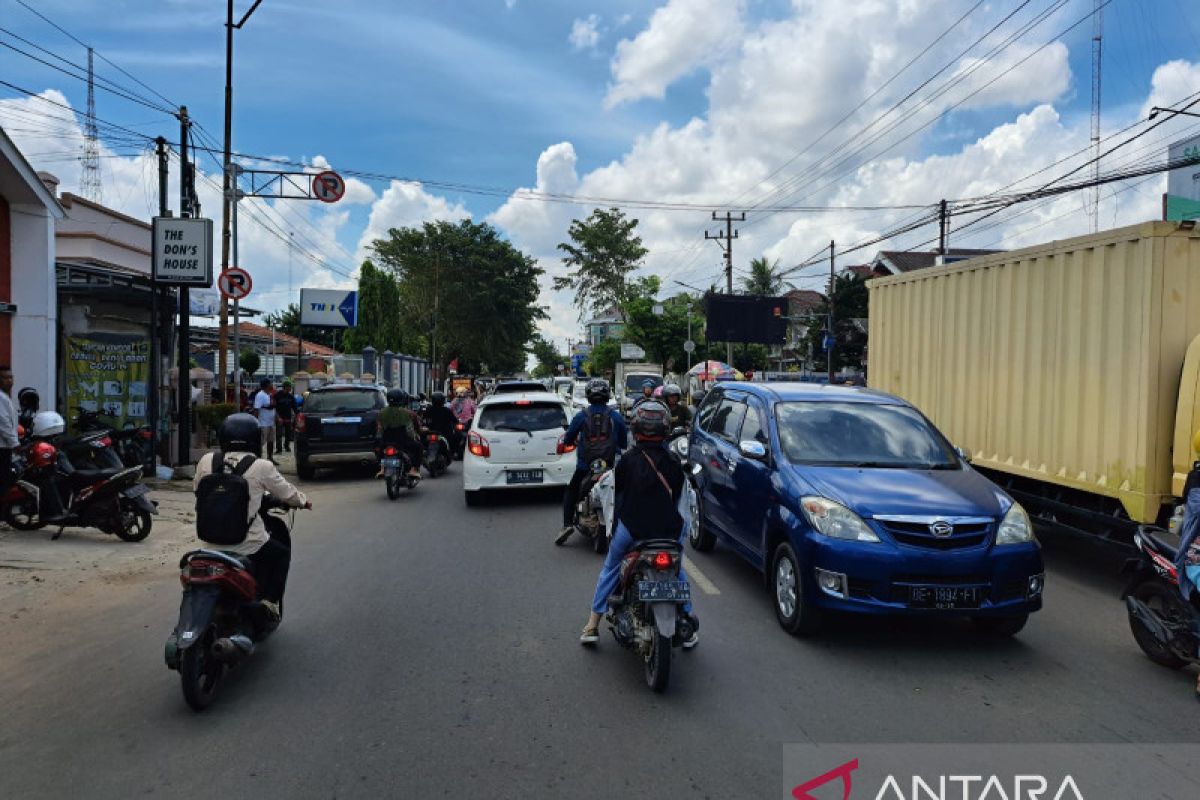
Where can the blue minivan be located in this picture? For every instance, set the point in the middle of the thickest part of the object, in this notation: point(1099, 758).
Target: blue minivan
point(849, 499)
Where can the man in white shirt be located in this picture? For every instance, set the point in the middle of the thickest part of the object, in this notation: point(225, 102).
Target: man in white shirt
point(264, 409)
point(8, 428)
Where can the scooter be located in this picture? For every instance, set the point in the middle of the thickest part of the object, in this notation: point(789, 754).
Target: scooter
point(458, 445)
point(131, 445)
point(437, 453)
point(591, 519)
point(396, 464)
point(1164, 625)
point(646, 612)
point(221, 619)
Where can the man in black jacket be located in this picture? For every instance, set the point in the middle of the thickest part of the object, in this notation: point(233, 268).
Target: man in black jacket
point(648, 483)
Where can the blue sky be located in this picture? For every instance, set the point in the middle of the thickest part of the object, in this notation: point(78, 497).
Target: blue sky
point(477, 92)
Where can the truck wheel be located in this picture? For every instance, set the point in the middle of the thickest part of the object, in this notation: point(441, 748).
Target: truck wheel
point(795, 615)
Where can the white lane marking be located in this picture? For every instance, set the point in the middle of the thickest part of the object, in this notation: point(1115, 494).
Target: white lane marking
point(699, 578)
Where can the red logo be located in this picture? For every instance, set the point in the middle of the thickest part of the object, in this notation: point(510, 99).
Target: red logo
point(801, 792)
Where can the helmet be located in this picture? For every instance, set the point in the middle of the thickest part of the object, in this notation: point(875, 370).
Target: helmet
point(28, 398)
point(47, 424)
point(42, 454)
point(397, 397)
point(647, 384)
point(670, 390)
point(439, 399)
point(651, 421)
point(240, 433)
point(597, 391)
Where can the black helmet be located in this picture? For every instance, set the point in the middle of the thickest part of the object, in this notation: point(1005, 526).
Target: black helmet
point(439, 399)
point(597, 391)
point(28, 398)
point(240, 433)
point(672, 390)
point(397, 397)
point(651, 421)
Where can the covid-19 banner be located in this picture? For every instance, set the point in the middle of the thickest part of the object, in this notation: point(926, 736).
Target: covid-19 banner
point(108, 373)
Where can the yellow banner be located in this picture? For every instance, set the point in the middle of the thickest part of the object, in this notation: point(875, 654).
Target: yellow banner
point(108, 373)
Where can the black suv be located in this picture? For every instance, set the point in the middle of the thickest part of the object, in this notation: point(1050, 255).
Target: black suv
point(336, 425)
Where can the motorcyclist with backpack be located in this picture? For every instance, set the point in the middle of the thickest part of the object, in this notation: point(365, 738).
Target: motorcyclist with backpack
point(439, 418)
point(400, 426)
point(600, 433)
point(230, 485)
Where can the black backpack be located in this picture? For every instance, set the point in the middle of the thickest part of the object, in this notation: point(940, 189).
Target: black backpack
point(223, 503)
point(598, 439)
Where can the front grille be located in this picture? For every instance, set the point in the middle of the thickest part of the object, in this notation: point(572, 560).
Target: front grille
point(917, 534)
point(1010, 590)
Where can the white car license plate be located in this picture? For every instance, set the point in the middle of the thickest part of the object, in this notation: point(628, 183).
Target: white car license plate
point(517, 476)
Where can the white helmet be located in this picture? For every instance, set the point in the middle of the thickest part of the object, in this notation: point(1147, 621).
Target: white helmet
point(47, 424)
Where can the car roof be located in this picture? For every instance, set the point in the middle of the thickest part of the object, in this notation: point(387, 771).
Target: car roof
point(511, 386)
point(812, 392)
point(342, 387)
point(542, 396)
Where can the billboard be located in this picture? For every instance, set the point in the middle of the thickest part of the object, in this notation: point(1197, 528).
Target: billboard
point(1183, 183)
point(328, 308)
point(745, 318)
point(108, 373)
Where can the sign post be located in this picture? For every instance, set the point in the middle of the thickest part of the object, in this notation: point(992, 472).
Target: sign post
point(183, 251)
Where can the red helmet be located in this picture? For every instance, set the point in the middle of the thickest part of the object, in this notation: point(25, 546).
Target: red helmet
point(42, 454)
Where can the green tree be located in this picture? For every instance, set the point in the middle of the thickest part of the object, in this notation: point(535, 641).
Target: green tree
point(764, 278)
point(850, 302)
point(603, 359)
point(380, 324)
point(466, 287)
point(662, 335)
point(602, 255)
point(549, 360)
point(288, 321)
point(249, 361)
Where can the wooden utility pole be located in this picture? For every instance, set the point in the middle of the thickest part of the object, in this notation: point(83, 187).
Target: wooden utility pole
point(724, 240)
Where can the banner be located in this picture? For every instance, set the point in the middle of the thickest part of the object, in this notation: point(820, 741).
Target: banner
point(108, 373)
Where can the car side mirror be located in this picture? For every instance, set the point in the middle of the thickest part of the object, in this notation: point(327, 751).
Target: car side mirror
point(963, 454)
point(752, 448)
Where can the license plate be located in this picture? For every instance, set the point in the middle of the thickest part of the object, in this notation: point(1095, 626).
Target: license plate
point(390, 463)
point(944, 596)
point(342, 420)
point(137, 490)
point(676, 591)
point(523, 476)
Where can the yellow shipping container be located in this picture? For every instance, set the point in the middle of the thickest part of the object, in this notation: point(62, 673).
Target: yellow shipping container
point(1058, 366)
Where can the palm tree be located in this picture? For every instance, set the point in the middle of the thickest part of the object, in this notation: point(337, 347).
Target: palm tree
point(764, 278)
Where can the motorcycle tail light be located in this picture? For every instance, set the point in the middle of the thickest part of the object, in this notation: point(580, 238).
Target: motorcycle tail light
point(301, 423)
point(433, 438)
point(662, 560)
point(460, 427)
point(146, 433)
point(390, 452)
point(478, 445)
point(105, 441)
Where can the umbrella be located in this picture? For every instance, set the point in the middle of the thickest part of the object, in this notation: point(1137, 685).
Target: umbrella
point(715, 371)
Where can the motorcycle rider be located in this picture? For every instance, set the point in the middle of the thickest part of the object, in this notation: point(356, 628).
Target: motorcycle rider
point(439, 418)
point(400, 426)
point(597, 444)
point(240, 435)
point(649, 484)
point(463, 407)
point(681, 416)
point(647, 393)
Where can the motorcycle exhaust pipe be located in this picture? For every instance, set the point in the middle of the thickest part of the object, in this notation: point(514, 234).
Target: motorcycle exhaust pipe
point(233, 649)
point(1144, 616)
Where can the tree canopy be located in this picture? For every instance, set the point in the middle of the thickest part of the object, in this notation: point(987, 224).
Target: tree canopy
point(764, 278)
point(380, 324)
point(603, 252)
point(548, 359)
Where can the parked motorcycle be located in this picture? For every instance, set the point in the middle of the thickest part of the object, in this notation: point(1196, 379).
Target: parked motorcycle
point(591, 521)
point(646, 612)
point(395, 464)
point(112, 500)
point(1164, 625)
point(220, 601)
point(131, 444)
point(437, 453)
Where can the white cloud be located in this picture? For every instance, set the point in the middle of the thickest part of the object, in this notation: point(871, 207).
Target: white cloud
point(405, 205)
point(1171, 83)
point(510, 4)
point(681, 36)
point(585, 33)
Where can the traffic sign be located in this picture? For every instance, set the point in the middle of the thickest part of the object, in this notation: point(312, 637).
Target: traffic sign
point(182, 251)
point(328, 187)
point(689, 346)
point(235, 283)
point(328, 308)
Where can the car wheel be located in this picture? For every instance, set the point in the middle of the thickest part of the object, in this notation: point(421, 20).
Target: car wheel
point(699, 536)
point(1001, 626)
point(795, 615)
point(474, 499)
point(306, 471)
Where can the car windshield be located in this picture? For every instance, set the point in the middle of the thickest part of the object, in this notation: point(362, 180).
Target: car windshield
point(519, 386)
point(633, 383)
point(860, 435)
point(341, 400)
point(522, 416)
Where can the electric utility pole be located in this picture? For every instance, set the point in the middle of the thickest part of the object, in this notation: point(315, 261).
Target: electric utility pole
point(943, 227)
point(187, 208)
point(724, 240)
point(829, 337)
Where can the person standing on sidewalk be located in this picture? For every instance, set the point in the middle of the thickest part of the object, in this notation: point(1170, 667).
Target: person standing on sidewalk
point(264, 409)
point(285, 413)
point(8, 428)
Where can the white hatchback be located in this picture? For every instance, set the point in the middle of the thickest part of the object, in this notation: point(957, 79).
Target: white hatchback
point(516, 443)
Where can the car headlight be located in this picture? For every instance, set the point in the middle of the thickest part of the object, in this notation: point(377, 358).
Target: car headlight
point(1015, 528)
point(835, 520)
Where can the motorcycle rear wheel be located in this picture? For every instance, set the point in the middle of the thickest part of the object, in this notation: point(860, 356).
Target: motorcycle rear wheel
point(200, 673)
point(658, 663)
point(1164, 601)
point(135, 524)
point(393, 487)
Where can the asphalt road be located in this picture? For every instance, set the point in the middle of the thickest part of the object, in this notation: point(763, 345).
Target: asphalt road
point(430, 651)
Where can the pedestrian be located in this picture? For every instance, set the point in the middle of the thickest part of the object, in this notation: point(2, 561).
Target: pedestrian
point(264, 409)
point(285, 414)
point(8, 428)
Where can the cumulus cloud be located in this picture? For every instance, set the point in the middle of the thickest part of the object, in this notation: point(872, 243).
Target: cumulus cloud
point(681, 36)
point(585, 33)
point(405, 205)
